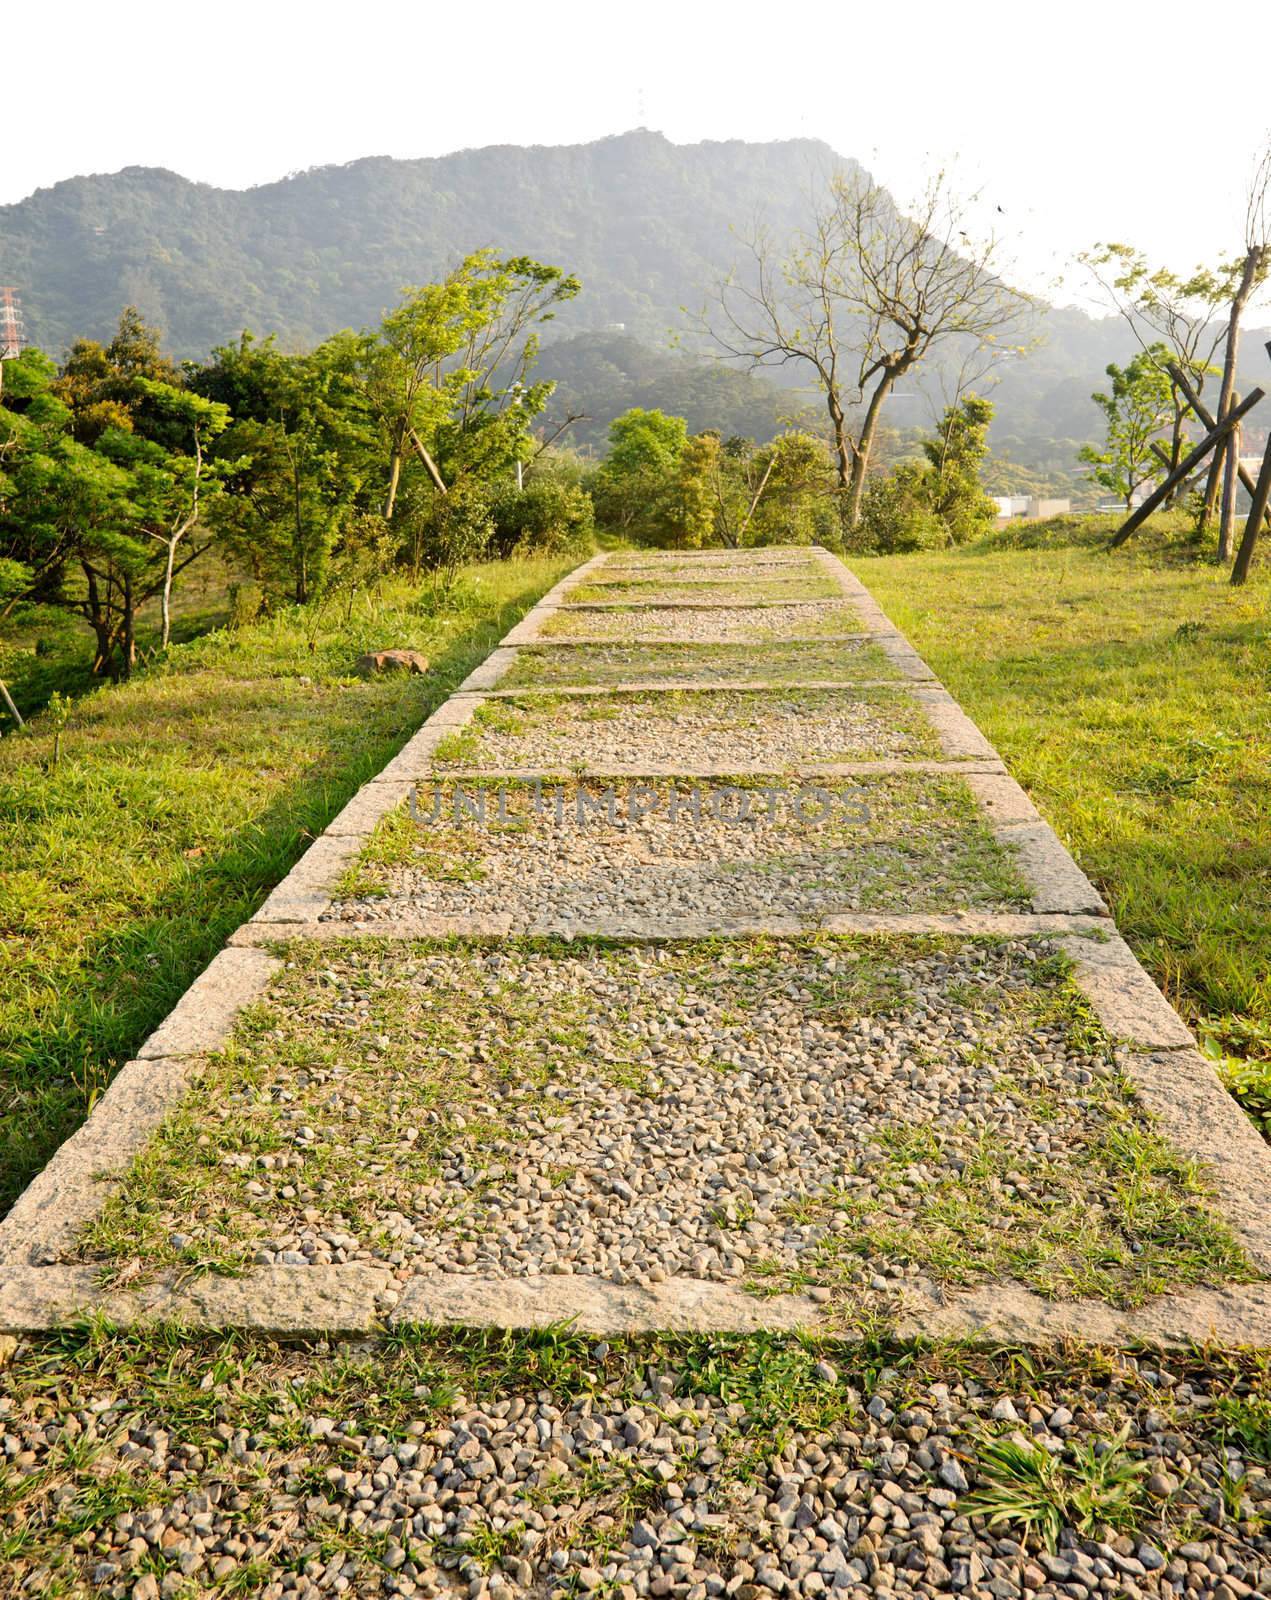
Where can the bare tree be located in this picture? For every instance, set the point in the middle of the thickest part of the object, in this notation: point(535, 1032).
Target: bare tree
point(1257, 262)
point(859, 298)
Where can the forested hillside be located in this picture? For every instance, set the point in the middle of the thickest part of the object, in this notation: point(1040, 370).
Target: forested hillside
point(647, 225)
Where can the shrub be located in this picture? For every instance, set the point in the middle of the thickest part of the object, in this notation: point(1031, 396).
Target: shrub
point(545, 517)
point(897, 514)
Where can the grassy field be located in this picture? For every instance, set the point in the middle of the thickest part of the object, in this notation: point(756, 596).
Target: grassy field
point(1129, 694)
point(179, 800)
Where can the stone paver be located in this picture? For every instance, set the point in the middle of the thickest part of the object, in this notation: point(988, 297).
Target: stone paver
point(918, 1101)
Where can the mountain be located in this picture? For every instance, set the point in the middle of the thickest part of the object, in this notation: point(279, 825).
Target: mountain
point(646, 224)
point(643, 222)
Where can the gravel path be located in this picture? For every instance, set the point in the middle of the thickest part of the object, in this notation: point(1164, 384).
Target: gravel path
point(686, 625)
point(849, 1117)
point(769, 730)
point(776, 1113)
point(565, 1468)
point(799, 662)
point(737, 589)
point(618, 855)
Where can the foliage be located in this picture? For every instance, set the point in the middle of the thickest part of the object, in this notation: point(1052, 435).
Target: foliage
point(104, 475)
point(297, 454)
point(661, 485)
point(1137, 410)
point(897, 514)
point(629, 490)
point(547, 516)
point(1098, 1485)
point(925, 505)
point(956, 456)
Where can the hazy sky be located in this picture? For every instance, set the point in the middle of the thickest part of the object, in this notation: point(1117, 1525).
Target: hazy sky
point(1057, 111)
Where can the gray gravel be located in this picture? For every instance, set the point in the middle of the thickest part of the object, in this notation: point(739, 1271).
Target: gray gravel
point(622, 856)
point(803, 662)
point(764, 729)
point(631, 1489)
point(640, 1113)
point(689, 625)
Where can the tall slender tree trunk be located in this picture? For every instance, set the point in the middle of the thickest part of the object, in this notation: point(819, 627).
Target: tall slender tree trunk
point(1230, 447)
point(394, 478)
point(864, 448)
point(128, 631)
point(1231, 466)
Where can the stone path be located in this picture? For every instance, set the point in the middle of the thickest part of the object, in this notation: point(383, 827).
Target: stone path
point(837, 1031)
point(663, 1000)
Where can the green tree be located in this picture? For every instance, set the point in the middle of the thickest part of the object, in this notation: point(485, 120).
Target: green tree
point(956, 455)
point(1137, 409)
point(635, 477)
point(444, 375)
point(99, 528)
point(297, 455)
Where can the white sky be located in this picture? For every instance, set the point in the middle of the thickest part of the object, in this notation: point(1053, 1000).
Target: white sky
point(1059, 112)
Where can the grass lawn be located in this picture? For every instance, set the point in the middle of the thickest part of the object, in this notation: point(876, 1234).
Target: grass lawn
point(180, 799)
point(1129, 694)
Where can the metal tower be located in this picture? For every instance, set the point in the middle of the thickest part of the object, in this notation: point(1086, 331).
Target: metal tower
point(12, 338)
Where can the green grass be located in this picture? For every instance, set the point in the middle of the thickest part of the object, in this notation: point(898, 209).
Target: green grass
point(180, 799)
point(1128, 693)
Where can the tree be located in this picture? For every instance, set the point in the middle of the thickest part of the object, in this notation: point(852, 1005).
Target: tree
point(1137, 410)
point(444, 374)
point(688, 506)
point(860, 298)
point(296, 458)
point(1253, 273)
point(98, 528)
point(1160, 307)
point(645, 448)
point(956, 455)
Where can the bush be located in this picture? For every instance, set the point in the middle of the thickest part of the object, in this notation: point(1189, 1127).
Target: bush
point(457, 528)
point(544, 518)
point(897, 514)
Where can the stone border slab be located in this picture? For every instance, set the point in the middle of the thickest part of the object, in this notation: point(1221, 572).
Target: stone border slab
point(1201, 1120)
point(305, 893)
point(288, 1301)
point(739, 769)
point(1128, 1003)
point(356, 1300)
point(694, 685)
point(693, 605)
point(636, 930)
point(204, 1016)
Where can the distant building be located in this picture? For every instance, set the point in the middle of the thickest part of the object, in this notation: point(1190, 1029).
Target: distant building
point(1028, 507)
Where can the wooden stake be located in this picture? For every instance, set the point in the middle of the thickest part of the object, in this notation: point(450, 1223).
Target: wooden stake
point(8, 700)
point(1261, 498)
point(1213, 437)
point(1206, 416)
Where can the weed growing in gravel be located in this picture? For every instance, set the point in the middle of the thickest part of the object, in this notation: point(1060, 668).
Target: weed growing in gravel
point(1100, 1485)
